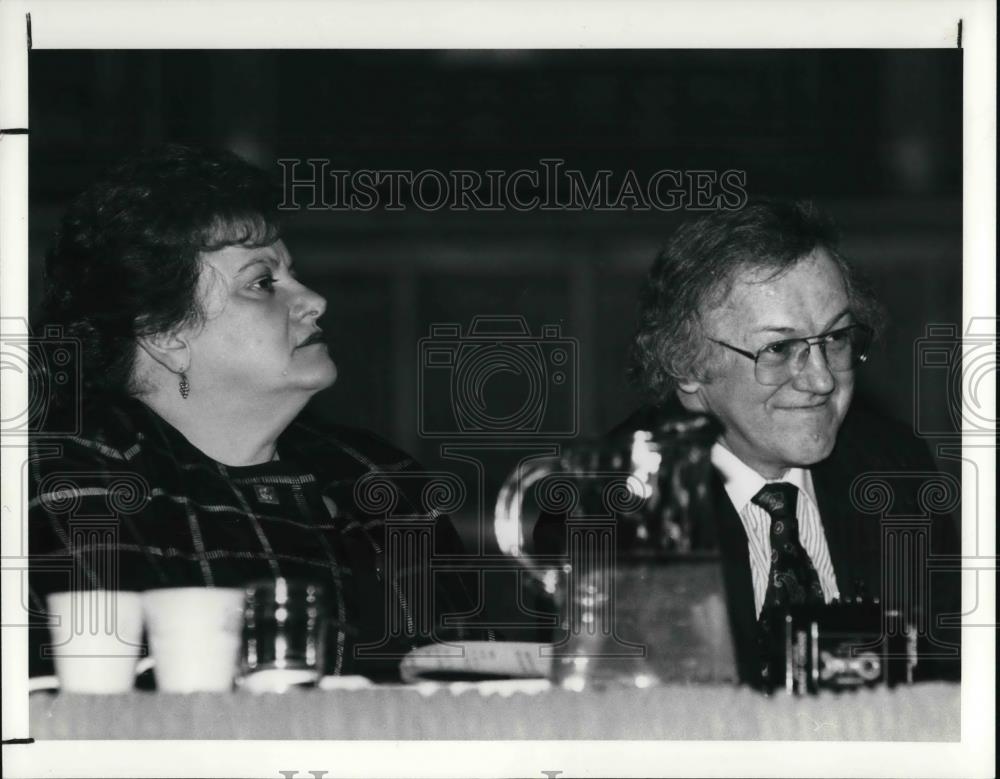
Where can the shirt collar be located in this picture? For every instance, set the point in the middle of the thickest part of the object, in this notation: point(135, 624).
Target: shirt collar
point(742, 482)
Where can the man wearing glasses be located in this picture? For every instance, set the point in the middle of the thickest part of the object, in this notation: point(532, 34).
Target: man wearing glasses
point(754, 318)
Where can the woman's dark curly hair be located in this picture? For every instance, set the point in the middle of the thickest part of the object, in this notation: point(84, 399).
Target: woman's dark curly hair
point(126, 258)
point(696, 271)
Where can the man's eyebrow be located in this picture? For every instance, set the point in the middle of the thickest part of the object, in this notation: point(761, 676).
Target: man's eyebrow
point(774, 329)
point(841, 315)
point(784, 329)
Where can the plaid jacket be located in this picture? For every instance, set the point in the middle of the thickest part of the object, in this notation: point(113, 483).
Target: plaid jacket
point(130, 504)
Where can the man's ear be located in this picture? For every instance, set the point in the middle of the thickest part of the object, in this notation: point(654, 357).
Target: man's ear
point(170, 350)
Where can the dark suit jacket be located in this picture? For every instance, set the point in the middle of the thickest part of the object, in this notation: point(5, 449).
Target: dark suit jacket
point(887, 517)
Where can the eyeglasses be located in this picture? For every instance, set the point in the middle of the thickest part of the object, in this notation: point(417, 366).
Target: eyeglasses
point(777, 362)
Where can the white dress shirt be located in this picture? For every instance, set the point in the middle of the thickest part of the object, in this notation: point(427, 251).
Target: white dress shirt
point(742, 482)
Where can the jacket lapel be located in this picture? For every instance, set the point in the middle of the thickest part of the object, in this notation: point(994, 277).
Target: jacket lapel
point(833, 504)
point(853, 539)
point(734, 548)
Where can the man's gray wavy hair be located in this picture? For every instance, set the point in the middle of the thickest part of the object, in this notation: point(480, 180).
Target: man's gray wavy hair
point(696, 270)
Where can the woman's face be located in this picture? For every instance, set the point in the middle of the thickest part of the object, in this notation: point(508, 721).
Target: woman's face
point(259, 338)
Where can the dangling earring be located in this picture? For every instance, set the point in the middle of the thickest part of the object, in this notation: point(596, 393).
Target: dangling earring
point(183, 386)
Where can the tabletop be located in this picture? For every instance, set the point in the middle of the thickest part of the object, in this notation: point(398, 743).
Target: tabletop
point(923, 712)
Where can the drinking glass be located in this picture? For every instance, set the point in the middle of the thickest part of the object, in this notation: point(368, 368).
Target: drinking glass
point(284, 634)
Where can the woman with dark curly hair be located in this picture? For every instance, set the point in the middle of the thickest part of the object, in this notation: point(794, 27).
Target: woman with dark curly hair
point(199, 349)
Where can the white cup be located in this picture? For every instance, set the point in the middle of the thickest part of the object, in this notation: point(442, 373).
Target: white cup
point(96, 639)
point(195, 635)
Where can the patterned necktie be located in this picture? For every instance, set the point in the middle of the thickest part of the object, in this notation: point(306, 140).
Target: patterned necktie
point(792, 579)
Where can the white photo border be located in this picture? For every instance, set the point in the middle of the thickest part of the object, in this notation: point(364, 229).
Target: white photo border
point(65, 24)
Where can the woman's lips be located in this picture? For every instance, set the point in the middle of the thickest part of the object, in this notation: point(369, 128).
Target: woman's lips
point(315, 338)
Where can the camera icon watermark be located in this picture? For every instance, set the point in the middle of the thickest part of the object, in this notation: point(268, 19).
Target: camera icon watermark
point(956, 370)
point(51, 364)
point(498, 381)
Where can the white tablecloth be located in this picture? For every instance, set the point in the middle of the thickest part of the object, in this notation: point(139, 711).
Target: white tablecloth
point(925, 712)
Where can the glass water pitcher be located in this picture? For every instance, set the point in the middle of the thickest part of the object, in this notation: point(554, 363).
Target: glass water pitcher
point(618, 536)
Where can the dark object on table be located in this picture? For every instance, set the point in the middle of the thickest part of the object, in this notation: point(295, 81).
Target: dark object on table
point(838, 646)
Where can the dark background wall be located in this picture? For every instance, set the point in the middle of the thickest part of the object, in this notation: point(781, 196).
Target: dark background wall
point(874, 136)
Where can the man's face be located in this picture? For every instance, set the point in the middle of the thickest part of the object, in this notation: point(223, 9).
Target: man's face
point(794, 424)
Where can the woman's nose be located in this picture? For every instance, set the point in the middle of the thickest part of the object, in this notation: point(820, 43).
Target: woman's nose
point(815, 376)
point(308, 304)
